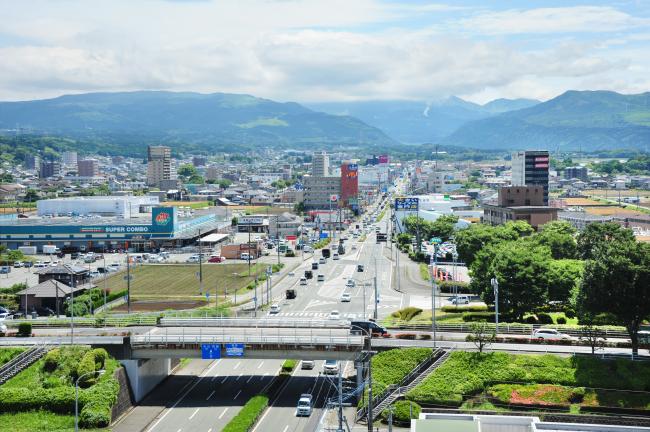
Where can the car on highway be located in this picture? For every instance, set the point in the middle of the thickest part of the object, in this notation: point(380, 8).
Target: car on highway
point(303, 281)
point(3, 328)
point(304, 405)
point(314, 265)
point(354, 247)
point(549, 334)
point(457, 300)
point(290, 294)
point(320, 278)
point(291, 273)
point(335, 256)
point(346, 297)
point(331, 367)
point(322, 261)
point(360, 268)
point(307, 364)
point(275, 308)
point(334, 315)
point(350, 283)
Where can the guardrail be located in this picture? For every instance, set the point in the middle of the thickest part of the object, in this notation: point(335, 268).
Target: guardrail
point(97, 321)
point(523, 329)
point(293, 339)
point(280, 322)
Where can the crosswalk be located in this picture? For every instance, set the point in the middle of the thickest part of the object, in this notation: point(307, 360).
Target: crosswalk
point(319, 315)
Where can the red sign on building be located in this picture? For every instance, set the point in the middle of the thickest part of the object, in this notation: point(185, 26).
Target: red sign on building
point(349, 182)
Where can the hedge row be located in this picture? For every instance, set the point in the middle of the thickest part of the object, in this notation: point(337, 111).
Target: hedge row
point(288, 366)
point(248, 415)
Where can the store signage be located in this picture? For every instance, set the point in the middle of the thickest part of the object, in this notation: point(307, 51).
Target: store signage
point(250, 220)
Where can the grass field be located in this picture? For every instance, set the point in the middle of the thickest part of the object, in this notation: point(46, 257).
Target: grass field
point(190, 204)
point(181, 281)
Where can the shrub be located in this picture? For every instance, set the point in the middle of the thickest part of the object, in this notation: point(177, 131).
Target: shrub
point(407, 314)
point(570, 313)
point(464, 308)
point(100, 357)
point(86, 366)
point(25, 329)
point(449, 287)
point(402, 411)
point(290, 253)
point(425, 336)
point(248, 415)
point(561, 320)
point(51, 360)
point(478, 316)
point(544, 318)
point(531, 319)
point(604, 319)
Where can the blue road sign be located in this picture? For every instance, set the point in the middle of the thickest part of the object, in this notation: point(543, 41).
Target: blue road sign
point(323, 235)
point(234, 350)
point(210, 351)
point(407, 203)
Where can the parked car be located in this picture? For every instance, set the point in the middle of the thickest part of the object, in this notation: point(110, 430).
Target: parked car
point(461, 299)
point(5, 270)
point(28, 264)
point(331, 367)
point(304, 405)
point(307, 364)
point(216, 259)
point(192, 259)
point(94, 274)
point(3, 329)
point(549, 334)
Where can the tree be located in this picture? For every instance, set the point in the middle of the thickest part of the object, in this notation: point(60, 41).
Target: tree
point(482, 335)
point(443, 227)
point(195, 179)
point(559, 237)
point(616, 280)
point(564, 277)
point(224, 183)
point(597, 235)
point(522, 271)
point(471, 240)
point(187, 170)
point(593, 336)
point(31, 195)
point(299, 207)
point(6, 178)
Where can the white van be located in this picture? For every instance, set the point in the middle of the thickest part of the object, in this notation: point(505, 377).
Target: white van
point(245, 256)
point(303, 281)
point(461, 299)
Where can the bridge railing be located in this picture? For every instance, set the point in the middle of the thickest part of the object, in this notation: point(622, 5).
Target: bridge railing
point(301, 338)
point(263, 322)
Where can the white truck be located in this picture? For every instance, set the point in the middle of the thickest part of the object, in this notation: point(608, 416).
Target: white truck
point(28, 250)
point(50, 249)
point(304, 405)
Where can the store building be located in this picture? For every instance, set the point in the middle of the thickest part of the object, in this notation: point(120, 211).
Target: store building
point(350, 185)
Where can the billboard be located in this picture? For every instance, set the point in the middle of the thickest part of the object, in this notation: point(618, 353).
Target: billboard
point(250, 220)
point(406, 203)
point(383, 159)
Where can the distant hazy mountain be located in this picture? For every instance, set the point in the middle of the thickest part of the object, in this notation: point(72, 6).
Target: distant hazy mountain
point(591, 120)
point(210, 121)
point(420, 122)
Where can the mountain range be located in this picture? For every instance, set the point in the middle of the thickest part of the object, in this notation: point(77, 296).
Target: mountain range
point(587, 120)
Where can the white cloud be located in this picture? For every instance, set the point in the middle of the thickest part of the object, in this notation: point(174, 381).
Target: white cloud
point(593, 19)
point(290, 50)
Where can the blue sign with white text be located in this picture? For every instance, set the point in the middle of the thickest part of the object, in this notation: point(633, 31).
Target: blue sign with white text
point(234, 350)
point(210, 351)
point(406, 203)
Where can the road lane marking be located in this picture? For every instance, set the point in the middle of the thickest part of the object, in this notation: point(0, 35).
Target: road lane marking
point(223, 413)
point(237, 365)
point(224, 379)
point(238, 393)
point(240, 375)
point(179, 430)
point(183, 396)
point(249, 378)
point(286, 428)
point(210, 430)
point(208, 398)
point(260, 365)
point(193, 414)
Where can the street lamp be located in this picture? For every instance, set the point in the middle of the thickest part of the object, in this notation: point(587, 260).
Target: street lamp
point(369, 408)
point(76, 396)
point(495, 287)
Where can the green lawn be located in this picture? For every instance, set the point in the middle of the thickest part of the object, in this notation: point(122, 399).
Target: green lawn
point(37, 421)
point(180, 280)
point(470, 380)
point(7, 354)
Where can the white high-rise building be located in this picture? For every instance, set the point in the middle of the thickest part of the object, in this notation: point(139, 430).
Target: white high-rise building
point(159, 165)
point(69, 158)
point(320, 164)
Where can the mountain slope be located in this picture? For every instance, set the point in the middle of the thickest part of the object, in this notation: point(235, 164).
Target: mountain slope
point(591, 120)
point(419, 121)
point(213, 121)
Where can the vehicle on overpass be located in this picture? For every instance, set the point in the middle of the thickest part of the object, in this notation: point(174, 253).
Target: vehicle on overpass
point(304, 405)
point(366, 327)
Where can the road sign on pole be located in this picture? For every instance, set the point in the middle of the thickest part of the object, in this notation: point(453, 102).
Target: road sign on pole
point(210, 351)
point(234, 350)
point(407, 204)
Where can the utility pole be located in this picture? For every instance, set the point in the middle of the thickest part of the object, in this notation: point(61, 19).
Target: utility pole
point(105, 272)
point(370, 388)
point(376, 295)
point(340, 388)
point(74, 285)
point(434, 288)
point(201, 266)
point(390, 418)
point(128, 283)
point(495, 287)
point(249, 249)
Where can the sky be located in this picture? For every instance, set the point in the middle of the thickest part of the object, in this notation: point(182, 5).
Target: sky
point(325, 50)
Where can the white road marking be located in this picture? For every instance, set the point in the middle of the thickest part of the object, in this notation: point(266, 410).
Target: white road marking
point(183, 397)
point(193, 414)
point(249, 378)
point(240, 375)
point(238, 393)
point(208, 398)
point(210, 430)
point(286, 428)
point(224, 379)
point(237, 365)
point(260, 365)
point(223, 413)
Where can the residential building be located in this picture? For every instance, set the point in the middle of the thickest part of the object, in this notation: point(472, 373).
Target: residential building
point(580, 220)
point(11, 191)
point(159, 165)
point(198, 161)
point(520, 203)
point(321, 192)
point(32, 162)
point(88, 168)
point(577, 172)
point(320, 164)
point(69, 158)
point(211, 173)
point(50, 169)
point(530, 168)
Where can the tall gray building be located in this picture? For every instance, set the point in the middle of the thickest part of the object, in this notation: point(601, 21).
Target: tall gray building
point(159, 165)
point(530, 168)
point(320, 164)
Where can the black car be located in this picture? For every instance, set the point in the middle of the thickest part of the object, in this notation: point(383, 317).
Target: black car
point(74, 255)
point(28, 264)
point(364, 327)
point(360, 268)
point(290, 294)
point(45, 311)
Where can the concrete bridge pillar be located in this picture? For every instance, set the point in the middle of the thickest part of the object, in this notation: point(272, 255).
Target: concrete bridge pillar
point(145, 374)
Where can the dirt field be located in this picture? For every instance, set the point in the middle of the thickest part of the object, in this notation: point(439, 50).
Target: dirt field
point(581, 202)
point(610, 211)
point(152, 306)
point(178, 281)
